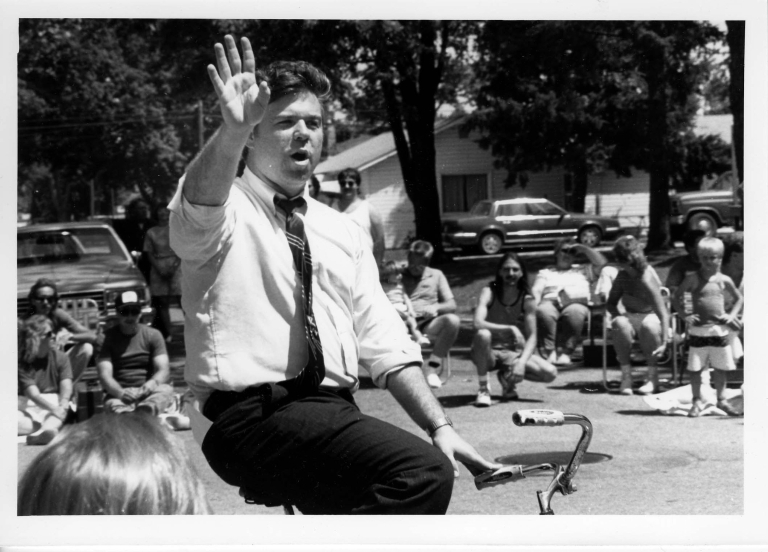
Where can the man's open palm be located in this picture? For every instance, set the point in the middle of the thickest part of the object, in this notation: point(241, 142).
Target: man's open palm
point(241, 99)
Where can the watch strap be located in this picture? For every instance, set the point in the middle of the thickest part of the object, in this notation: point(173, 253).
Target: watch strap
point(437, 424)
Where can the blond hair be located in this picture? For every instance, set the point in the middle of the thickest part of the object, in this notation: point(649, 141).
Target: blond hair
point(112, 464)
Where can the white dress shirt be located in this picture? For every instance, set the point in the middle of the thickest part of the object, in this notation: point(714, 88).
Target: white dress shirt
point(243, 322)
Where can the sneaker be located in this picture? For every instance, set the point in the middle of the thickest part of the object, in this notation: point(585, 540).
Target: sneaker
point(562, 360)
point(551, 356)
point(648, 388)
point(696, 408)
point(424, 341)
point(483, 397)
point(728, 409)
point(626, 386)
point(433, 380)
point(508, 391)
point(42, 438)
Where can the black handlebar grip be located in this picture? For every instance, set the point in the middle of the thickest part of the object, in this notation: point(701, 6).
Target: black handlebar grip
point(538, 417)
point(504, 474)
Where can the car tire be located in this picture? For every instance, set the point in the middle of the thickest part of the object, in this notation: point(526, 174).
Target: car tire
point(590, 236)
point(703, 221)
point(491, 243)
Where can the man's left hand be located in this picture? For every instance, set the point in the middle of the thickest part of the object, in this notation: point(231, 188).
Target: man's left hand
point(148, 388)
point(458, 450)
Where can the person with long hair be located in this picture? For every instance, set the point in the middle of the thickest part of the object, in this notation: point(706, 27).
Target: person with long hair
point(505, 332)
point(644, 315)
point(112, 465)
point(78, 341)
point(45, 382)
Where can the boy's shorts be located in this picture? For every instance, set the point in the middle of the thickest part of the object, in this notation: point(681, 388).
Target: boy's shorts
point(711, 347)
point(636, 320)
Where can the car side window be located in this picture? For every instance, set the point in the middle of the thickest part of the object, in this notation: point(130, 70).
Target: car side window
point(511, 209)
point(543, 209)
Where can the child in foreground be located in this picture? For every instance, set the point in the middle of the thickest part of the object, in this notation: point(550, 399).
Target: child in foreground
point(712, 331)
point(128, 464)
point(391, 282)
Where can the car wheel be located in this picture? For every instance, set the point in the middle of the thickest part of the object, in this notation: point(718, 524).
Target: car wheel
point(703, 221)
point(491, 243)
point(590, 236)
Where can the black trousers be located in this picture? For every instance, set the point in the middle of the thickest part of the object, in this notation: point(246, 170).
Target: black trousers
point(318, 452)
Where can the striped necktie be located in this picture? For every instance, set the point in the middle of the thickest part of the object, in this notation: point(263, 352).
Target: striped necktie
point(295, 209)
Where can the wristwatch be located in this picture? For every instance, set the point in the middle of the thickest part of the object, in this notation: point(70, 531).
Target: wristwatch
point(437, 424)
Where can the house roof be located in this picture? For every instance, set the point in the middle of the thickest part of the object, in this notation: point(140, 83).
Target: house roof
point(372, 151)
point(377, 149)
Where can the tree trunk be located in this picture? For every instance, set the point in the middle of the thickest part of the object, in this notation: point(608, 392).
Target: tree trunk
point(736, 38)
point(579, 189)
point(659, 210)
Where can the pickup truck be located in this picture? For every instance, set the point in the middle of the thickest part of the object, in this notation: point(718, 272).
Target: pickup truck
point(708, 209)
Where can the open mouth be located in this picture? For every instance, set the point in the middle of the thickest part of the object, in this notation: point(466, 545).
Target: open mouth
point(300, 156)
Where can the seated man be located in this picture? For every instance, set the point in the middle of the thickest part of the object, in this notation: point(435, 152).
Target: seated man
point(434, 304)
point(133, 364)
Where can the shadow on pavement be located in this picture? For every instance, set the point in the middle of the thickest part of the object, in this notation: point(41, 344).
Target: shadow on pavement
point(648, 412)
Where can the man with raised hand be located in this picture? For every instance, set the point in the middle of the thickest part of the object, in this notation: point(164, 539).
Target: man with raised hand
point(282, 302)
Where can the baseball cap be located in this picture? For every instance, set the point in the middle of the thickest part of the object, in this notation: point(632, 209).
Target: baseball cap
point(127, 298)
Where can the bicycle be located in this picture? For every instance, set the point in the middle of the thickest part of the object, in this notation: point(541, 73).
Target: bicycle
point(562, 480)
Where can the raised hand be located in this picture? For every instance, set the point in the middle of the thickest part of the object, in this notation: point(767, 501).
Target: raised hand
point(242, 100)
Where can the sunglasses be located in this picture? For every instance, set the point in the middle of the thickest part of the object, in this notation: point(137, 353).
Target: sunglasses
point(46, 298)
point(129, 311)
point(348, 184)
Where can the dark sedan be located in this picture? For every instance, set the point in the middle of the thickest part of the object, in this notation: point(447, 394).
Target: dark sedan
point(491, 225)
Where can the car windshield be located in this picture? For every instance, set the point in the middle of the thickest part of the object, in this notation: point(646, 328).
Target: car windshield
point(63, 246)
point(481, 209)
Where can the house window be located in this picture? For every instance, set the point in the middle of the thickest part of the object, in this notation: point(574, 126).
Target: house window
point(462, 191)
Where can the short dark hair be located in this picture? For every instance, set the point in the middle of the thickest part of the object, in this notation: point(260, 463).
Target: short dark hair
point(354, 174)
point(692, 237)
point(288, 77)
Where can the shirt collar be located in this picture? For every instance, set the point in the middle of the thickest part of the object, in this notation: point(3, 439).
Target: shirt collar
point(265, 192)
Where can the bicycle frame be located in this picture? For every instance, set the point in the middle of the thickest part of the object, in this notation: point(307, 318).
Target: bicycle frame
point(562, 480)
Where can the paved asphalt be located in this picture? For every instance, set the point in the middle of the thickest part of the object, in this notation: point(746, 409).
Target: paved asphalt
point(639, 461)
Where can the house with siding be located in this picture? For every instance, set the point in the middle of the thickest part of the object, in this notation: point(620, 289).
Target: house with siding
point(465, 174)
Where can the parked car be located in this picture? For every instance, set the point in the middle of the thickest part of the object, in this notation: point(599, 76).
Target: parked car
point(491, 225)
point(708, 209)
point(89, 264)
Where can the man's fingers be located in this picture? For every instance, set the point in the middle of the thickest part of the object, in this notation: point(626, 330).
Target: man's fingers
point(232, 54)
point(218, 84)
point(249, 61)
point(221, 62)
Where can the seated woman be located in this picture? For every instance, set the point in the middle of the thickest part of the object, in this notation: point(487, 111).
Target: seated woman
point(505, 338)
point(644, 317)
point(562, 292)
point(45, 382)
point(78, 340)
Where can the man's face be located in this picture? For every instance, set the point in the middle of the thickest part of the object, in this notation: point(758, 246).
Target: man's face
point(44, 300)
point(128, 318)
point(286, 145)
point(417, 264)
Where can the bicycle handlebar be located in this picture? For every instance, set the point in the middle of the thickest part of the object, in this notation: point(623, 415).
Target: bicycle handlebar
point(562, 480)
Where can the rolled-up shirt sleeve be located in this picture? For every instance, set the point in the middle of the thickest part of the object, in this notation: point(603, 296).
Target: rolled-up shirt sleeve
point(383, 340)
point(197, 232)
